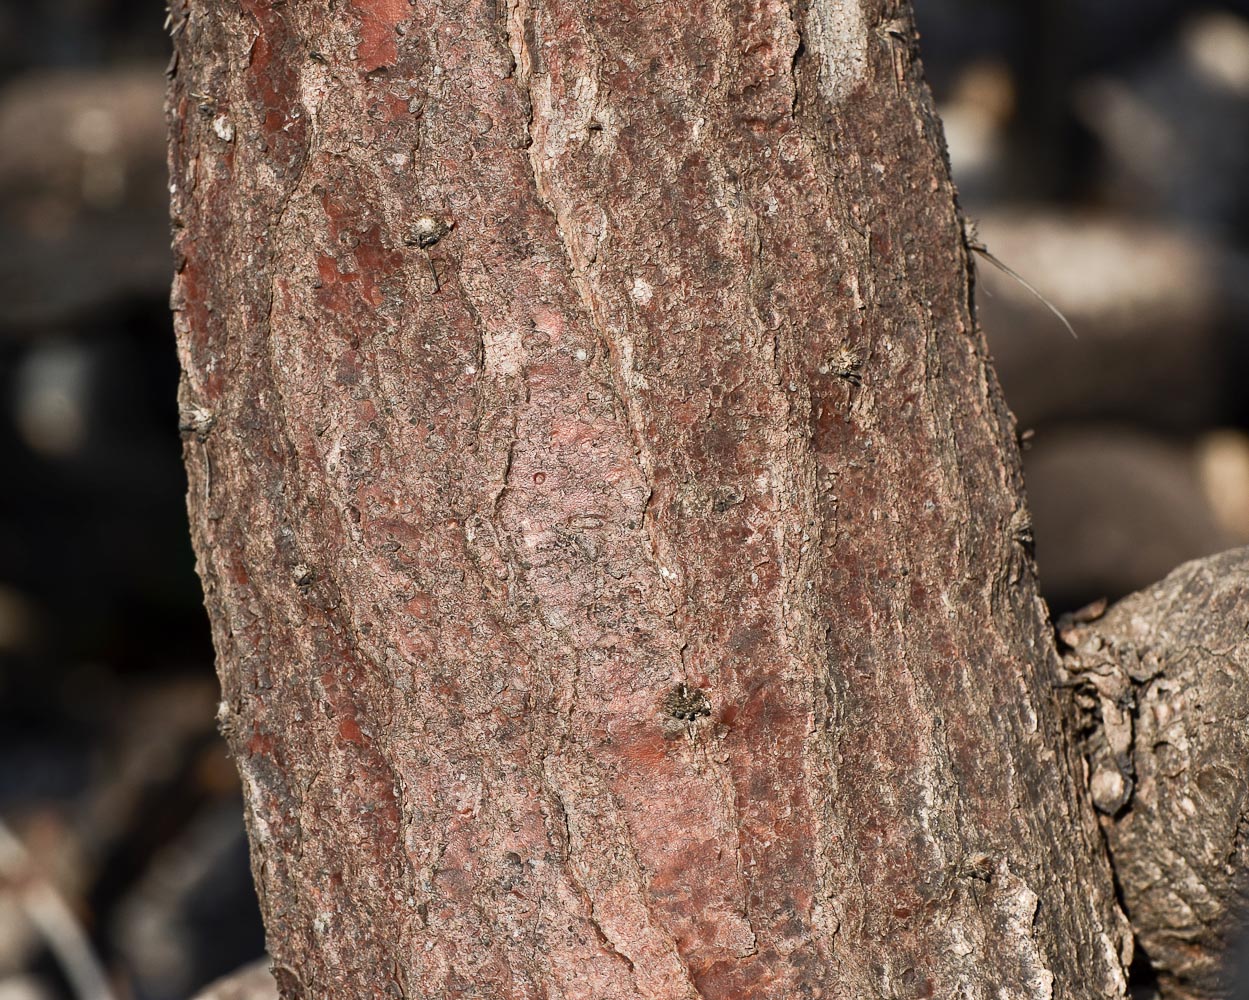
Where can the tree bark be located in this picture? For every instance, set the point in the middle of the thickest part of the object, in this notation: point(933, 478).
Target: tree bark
point(1163, 688)
point(609, 520)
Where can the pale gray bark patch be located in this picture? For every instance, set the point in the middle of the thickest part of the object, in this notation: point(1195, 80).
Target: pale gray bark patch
point(838, 35)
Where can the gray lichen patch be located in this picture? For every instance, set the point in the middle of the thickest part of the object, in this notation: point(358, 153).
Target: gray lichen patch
point(838, 36)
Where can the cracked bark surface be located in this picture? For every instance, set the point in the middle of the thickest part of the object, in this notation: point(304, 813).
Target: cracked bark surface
point(1162, 682)
point(610, 523)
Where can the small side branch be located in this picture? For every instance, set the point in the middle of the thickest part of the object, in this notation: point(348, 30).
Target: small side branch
point(54, 920)
point(976, 244)
point(1160, 695)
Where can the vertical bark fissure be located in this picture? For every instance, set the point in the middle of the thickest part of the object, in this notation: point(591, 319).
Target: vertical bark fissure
point(521, 26)
point(586, 898)
point(799, 537)
point(520, 22)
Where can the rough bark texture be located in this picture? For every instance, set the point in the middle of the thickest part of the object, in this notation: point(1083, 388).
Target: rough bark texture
point(610, 524)
point(1163, 683)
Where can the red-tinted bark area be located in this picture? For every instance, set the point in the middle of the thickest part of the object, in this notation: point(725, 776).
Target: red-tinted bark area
point(610, 524)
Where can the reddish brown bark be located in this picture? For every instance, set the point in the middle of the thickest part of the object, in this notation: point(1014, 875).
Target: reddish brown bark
point(610, 524)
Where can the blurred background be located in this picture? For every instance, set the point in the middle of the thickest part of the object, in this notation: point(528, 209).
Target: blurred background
point(1101, 145)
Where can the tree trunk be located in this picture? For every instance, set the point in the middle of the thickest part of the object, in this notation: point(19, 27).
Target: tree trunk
point(610, 524)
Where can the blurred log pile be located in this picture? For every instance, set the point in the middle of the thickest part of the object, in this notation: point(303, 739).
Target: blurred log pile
point(112, 778)
point(83, 176)
point(1111, 178)
point(1101, 147)
point(1138, 457)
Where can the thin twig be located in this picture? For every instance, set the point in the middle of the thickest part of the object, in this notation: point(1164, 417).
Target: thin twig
point(54, 920)
point(974, 243)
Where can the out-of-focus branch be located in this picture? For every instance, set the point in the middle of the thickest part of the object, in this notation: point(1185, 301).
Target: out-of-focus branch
point(55, 921)
point(252, 982)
